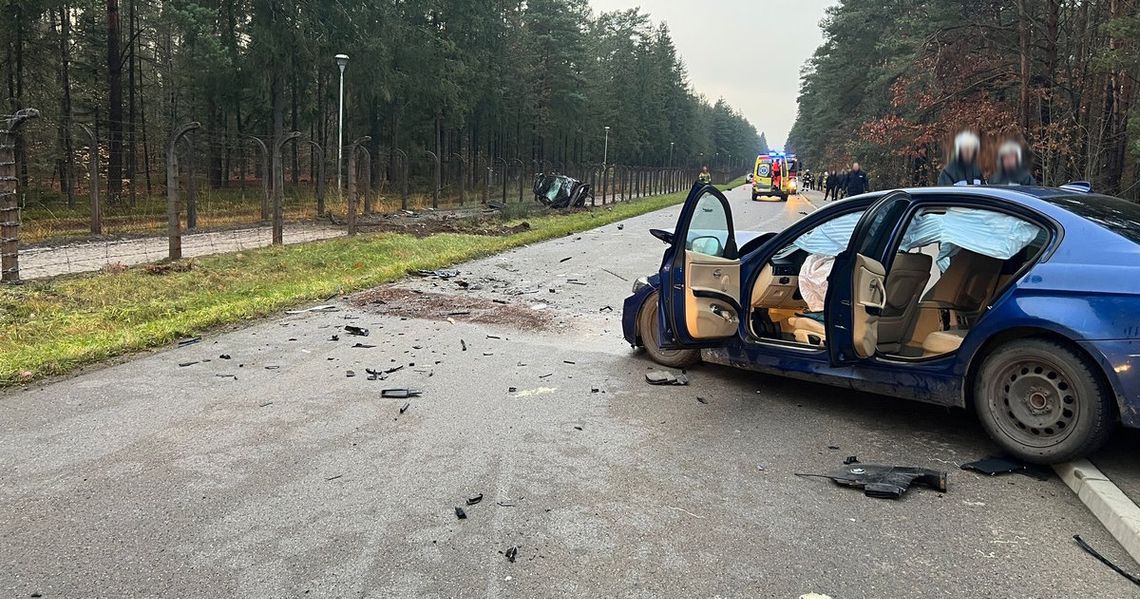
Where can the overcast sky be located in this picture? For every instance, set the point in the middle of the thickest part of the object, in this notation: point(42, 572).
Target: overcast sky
point(721, 42)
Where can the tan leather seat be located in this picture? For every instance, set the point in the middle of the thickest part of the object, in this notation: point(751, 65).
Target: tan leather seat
point(943, 342)
point(968, 284)
point(808, 330)
point(905, 283)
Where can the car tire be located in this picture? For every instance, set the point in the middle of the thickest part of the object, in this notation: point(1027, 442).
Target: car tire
point(1043, 402)
point(647, 332)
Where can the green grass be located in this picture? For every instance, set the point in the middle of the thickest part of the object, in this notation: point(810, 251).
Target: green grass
point(50, 327)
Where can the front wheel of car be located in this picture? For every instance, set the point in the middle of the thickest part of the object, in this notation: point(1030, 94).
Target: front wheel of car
point(1043, 402)
point(647, 331)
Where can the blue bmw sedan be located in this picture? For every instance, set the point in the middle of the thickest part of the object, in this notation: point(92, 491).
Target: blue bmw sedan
point(1022, 303)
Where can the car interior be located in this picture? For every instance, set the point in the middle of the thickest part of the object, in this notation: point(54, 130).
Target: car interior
point(918, 310)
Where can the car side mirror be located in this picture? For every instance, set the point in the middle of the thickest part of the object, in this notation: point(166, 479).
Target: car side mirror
point(663, 235)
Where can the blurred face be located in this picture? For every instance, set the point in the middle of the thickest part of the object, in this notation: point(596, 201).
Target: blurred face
point(969, 153)
point(1009, 161)
point(855, 167)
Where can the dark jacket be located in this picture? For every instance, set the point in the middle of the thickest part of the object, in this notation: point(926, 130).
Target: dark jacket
point(1019, 176)
point(856, 183)
point(959, 171)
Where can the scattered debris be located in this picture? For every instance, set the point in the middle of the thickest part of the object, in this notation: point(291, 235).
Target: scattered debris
point(224, 357)
point(565, 259)
point(577, 428)
point(268, 403)
point(334, 477)
point(399, 393)
point(272, 367)
point(512, 389)
point(850, 460)
point(549, 374)
point(463, 344)
point(994, 466)
point(334, 338)
point(512, 553)
point(349, 373)
point(702, 400)
point(885, 482)
point(475, 499)
point(405, 407)
point(568, 362)
point(459, 513)
point(493, 337)
point(363, 345)
point(439, 274)
point(188, 341)
point(606, 309)
point(355, 330)
point(760, 467)
point(620, 226)
point(505, 504)
point(459, 313)
point(322, 308)
point(185, 364)
point(831, 447)
point(661, 377)
point(576, 282)
point(1104, 560)
point(615, 274)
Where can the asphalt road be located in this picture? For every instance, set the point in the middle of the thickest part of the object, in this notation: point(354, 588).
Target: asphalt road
point(274, 474)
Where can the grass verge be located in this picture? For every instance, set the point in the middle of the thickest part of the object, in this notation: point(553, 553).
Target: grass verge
point(51, 327)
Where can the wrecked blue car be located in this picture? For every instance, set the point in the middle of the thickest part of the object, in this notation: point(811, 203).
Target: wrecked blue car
point(1022, 303)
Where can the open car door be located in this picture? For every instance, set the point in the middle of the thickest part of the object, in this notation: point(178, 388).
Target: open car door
point(700, 275)
point(857, 287)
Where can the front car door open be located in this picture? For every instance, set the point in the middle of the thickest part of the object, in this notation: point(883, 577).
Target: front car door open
point(700, 275)
point(857, 287)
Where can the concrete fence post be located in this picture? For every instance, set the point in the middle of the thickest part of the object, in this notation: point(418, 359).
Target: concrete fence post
point(9, 202)
point(462, 178)
point(279, 187)
point(93, 176)
point(353, 200)
point(173, 219)
point(264, 176)
point(522, 170)
point(367, 177)
point(436, 178)
point(403, 178)
point(320, 175)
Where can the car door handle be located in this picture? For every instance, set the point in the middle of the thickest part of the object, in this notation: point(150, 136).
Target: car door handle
point(717, 273)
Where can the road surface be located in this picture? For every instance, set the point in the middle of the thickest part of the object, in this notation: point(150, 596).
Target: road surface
point(275, 474)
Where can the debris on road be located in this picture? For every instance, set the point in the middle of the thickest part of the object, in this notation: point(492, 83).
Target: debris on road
point(188, 341)
point(565, 259)
point(355, 330)
point(322, 308)
point(463, 344)
point(438, 274)
point(851, 460)
point(885, 482)
point(405, 407)
point(459, 513)
point(1104, 560)
point(334, 338)
point(224, 357)
point(185, 364)
point(334, 477)
point(512, 553)
point(475, 499)
point(349, 373)
point(363, 346)
point(702, 400)
point(661, 377)
point(400, 393)
point(615, 274)
point(994, 466)
point(606, 309)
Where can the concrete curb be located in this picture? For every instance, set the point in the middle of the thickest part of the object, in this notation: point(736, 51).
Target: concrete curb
point(1106, 501)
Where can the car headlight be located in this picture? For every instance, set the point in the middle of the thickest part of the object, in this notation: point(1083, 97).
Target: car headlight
point(640, 283)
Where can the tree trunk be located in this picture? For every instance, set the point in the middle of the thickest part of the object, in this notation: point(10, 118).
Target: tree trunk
point(66, 145)
point(115, 103)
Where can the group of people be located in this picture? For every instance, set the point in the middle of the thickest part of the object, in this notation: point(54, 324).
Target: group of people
point(963, 168)
point(836, 185)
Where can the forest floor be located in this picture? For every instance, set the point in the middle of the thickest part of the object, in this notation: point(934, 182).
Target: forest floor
point(50, 327)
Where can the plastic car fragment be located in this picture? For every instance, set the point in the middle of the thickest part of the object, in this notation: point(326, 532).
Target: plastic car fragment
point(885, 482)
point(661, 377)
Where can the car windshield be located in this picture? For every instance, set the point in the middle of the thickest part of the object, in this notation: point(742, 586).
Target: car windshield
point(1119, 216)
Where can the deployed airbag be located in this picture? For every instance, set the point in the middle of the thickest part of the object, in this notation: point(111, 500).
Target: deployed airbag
point(985, 232)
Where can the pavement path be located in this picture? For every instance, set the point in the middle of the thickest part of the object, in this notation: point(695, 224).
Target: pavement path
point(274, 474)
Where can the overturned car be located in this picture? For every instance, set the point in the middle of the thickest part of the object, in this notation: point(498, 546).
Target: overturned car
point(560, 191)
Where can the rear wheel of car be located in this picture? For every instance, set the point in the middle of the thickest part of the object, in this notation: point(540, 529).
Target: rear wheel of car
point(647, 330)
point(1043, 402)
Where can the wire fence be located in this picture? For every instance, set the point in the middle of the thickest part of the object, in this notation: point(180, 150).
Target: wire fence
point(222, 193)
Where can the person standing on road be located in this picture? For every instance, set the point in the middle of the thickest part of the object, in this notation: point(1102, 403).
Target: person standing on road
point(1010, 166)
point(705, 177)
point(963, 168)
point(829, 181)
point(856, 181)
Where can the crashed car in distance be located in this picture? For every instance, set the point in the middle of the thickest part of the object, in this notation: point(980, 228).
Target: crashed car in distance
point(1022, 303)
point(560, 191)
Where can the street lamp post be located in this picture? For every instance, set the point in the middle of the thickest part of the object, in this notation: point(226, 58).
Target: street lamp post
point(606, 150)
point(671, 154)
point(341, 61)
